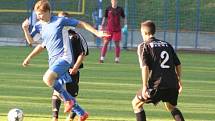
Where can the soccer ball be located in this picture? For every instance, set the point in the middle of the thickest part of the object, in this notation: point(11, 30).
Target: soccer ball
point(15, 115)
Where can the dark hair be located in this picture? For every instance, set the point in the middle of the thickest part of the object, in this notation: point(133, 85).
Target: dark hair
point(150, 25)
point(70, 31)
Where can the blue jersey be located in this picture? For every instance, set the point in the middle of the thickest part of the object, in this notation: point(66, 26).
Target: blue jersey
point(51, 33)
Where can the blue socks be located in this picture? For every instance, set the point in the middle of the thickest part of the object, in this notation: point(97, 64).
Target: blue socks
point(78, 110)
point(58, 86)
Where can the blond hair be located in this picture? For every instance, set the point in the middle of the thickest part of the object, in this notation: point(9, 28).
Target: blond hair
point(150, 26)
point(42, 6)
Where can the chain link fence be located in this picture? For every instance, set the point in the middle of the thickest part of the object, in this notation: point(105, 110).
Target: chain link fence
point(183, 23)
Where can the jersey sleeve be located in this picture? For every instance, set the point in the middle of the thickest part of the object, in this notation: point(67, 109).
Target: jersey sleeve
point(35, 34)
point(34, 31)
point(84, 46)
point(175, 57)
point(143, 55)
point(70, 22)
point(122, 13)
point(106, 12)
point(77, 46)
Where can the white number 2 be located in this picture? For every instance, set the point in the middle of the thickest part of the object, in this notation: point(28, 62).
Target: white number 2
point(164, 55)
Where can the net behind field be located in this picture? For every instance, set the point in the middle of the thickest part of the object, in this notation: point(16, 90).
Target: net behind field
point(183, 23)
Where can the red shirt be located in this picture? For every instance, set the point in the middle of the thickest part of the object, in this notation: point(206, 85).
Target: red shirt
point(113, 15)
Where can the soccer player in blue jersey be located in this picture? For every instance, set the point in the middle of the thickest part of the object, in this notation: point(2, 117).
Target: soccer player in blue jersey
point(80, 50)
point(50, 27)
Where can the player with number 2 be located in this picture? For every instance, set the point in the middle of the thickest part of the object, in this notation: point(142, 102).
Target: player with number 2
point(161, 74)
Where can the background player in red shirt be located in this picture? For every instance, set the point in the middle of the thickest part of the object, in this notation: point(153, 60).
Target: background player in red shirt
point(112, 25)
point(161, 74)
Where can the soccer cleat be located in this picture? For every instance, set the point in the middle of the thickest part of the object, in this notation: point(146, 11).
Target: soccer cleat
point(116, 61)
point(68, 106)
point(54, 119)
point(68, 118)
point(125, 48)
point(71, 119)
point(101, 61)
point(83, 117)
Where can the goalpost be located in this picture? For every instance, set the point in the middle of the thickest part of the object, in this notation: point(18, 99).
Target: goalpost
point(74, 7)
point(60, 3)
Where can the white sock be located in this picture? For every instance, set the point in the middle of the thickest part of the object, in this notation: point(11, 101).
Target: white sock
point(117, 59)
point(102, 58)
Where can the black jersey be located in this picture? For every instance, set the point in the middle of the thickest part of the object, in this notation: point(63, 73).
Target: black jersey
point(79, 45)
point(161, 59)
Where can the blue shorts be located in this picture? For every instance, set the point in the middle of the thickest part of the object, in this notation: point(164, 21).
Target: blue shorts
point(60, 67)
point(65, 78)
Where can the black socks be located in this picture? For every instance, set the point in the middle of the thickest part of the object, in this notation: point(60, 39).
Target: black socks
point(55, 107)
point(176, 112)
point(141, 116)
point(72, 116)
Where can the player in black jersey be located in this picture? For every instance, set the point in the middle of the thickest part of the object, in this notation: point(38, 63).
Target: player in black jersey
point(161, 74)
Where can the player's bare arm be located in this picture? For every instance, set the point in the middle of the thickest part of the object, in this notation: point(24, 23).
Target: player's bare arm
point(178, 72)
point(91, 29)
point(25, 27)
point(37, 50)
point(125, 21)
point(77, 64)
point(145, 77)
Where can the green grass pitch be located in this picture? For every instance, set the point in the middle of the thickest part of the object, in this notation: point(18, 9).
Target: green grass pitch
point(106, 90)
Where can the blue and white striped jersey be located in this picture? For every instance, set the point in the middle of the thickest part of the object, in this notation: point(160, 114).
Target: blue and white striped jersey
point(51, 33)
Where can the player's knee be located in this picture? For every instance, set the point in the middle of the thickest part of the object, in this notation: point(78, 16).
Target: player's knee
point(106, 42)
point(49, 78)
point(55, 95)
point(137, 105)
point(169, 107)
point(117, 44)
point(134, 103)
point(47, 81)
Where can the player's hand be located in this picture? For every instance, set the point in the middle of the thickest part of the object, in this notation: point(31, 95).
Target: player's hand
point(102, 34)
point(26, 62)
point(180, 87)
point(101, 28)
point(145, 93)
point(156, 83)
point(73, 71)
point(125, 29)
point(94, 26)
point(25, 24)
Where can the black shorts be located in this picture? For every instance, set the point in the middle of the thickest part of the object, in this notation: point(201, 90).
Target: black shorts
point(73, 86)
point(165, 95)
